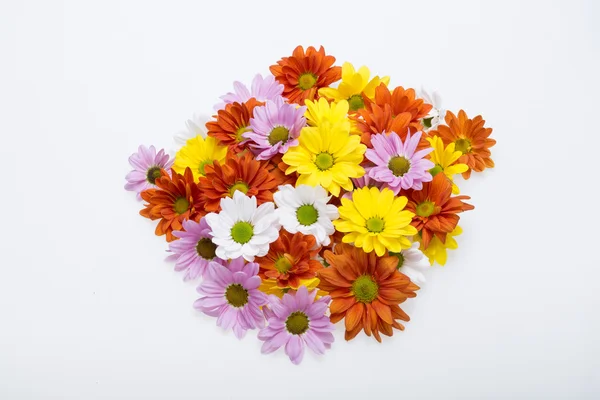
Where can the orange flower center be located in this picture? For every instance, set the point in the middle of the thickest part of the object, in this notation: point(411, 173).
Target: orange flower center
point(284, 263)
point(297, 323)
point(206, 249)
point(365, 289)
point(236, 295)
point(425, 209)
point(462, 145)
point(307, 80)
point(153, 174)
point(399, 165)
point(181, 205)
point(241, 186)
point(278, 134)
point(355, 102)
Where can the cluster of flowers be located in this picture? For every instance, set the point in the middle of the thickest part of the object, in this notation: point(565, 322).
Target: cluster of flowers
point(302, 203)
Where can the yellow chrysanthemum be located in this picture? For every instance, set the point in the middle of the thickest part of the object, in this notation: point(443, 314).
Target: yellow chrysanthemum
point(197, 153)
point(269, 286)
point(376, 219)
point(322, 111)
point(353, 85)
point(443, 159)
point(437, 251)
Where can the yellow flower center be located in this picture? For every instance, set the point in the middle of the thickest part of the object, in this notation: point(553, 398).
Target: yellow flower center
point(284, 263)
point(236, 295)
point(153, 174)
point(206, 249)
point(307, 80)
point(241, 186)
point(425, 209)
point(279, 134)
point(324, 161)
point(242, 232)
point(356, 102)
point(462, 145)
point(297, 323)
point(375, 225)
point(399, 165)
point(307, 214)
point(365, 289)
point(181, 205)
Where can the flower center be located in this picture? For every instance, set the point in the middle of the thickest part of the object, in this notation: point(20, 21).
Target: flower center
point(400, 259)
point(375, 224)
point(399, 165)
point(279, 134)
point(241, 186)
point(427, 122)
point(307, 214)
point(356, 102)
point(181, 205)
point(202, 165)
point(462, 145)
point(284, 263)
point(297, 323)
point(238, 134)
point(206, 249)
point(307, 80)
point(242, 232)
point(425, 209)
point(365, 289)
point(324, 161)
point(436, 170)
point(153, 174)
point(236, 295)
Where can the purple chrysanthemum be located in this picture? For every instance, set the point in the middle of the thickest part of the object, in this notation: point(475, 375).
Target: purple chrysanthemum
point(297, 320)
point(397, 164)
point(231, 294)
point(146, 165)
point(262, 89)
point(275, 127)
point(194, 250)
point(364, 181)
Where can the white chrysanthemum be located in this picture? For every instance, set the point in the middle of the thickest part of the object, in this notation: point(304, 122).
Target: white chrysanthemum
point(193, 127)
point(412, 263)
point(304, 209)
point(437, 113)
point(242, 229)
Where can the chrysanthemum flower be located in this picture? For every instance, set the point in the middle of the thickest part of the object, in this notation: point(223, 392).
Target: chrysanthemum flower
point(354, 85)
point(194, 249)
point(364, 181)
point(176, 199)
point(412, 262)
point(231, 124)
point(436, 114)
point(197, 153)
point(290, 258)
point(445, 160)
point(304, 209)
point(271, 287)
point(438, 251)
point(397, 163)
point(262, 89)
point(303, 74)
point(435, 210)
point(366, 291)
point(470, 137)
point(193, 127)
point(375, 220)
point(231, 294)
point(146, 164)
point(275, 128)
point(297, 320)
point(242, 229)
point(277, 169)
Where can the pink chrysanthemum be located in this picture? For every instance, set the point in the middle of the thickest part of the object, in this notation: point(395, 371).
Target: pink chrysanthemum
point(262, 89)
point(296, 321)
point(397, 164)
point(364, 181)
point(194, 250)
point(146, 165)
point(275, 127)
point(231, 294)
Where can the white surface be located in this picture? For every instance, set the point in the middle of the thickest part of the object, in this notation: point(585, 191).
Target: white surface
point(90, 310)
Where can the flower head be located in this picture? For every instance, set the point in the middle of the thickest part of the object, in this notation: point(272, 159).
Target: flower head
point(193, 127)
point(231, 123)
point(197, 153)
point(436, 114)
point(271, 287)
point(146, 164)
point(445, 159)
point(437, 251)
point(262, 89)
point(412, 262)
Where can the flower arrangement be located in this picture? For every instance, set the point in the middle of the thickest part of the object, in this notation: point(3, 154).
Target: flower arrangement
point(316, 195)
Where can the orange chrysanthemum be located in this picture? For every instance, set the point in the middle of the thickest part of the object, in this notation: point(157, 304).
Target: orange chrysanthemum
point(231, 123)
point(242, 173)
point(470, 137)
point(303, 74)
point(176, 199)
point(278, 168)
point(436, 209)
point(365, 290)
point(399, 111)
point(291, 258)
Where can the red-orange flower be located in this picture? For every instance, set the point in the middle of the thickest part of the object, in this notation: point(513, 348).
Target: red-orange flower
point(242, 173)
point(435, 208)
point(231, 123)
point(303, 74)
point(278, 168)
point(470, 137)
point(176, 199)
point(290, 258)
point(365, 290)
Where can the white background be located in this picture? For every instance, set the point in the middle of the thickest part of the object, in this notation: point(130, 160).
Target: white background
point(89, 309)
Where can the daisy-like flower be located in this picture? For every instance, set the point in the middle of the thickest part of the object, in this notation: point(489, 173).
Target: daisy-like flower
point(354, 85)
point(297, 320)
point(366, 291)
point(231, 123)
point(197, 153)
point(275, 128)
point(271, 287)
point(231, 294)
point(193, 127)
point(304, 73)
point(238, 174)
point(146, 164)
point(262, 89)
point(445, 160)
point(437, 113)
point(291, 258)
point(470, 137)
point(435, 210)
point(412, 262)
point(375, 220)
point(304, 209)
point(194, 250)
point(365, 181)
point(438, 251)
point(398, 164)
point(242, 229)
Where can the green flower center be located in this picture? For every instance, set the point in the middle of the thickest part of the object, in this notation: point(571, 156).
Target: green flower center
point(436, 170)
point(427, 122)
point(324, 161)
point(375, 225)
point(425, 209)
point(241, 186)
point(307, 214)
point(242, 232)
point(238, 134)
point(203, 164)
point(297, 323)
point(365, 289)
point(356, 102)
point(279, 134)
point(283, 264)
point(153, 174)
point(400, 259)
point(181, 205)
point(399, 165)
point(306, 81)
point(206, 249)
point(236, 295)
point(462, 145)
